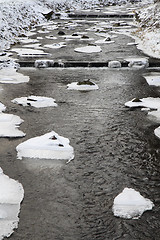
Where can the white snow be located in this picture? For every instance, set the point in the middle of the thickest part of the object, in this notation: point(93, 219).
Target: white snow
point(10, 75)
point(153, 78)
point(27, 40)
point(157, 132)
point(48, 146)
point(9, 124)
point(82, 87)
point(35, 101)
point(34, 45)
point(137, 62)
point(55, 45)
point(27, 52)
point(11, 195)
point(88, 49)
point(130, 204)
point(44, 63)
point(51, 37)
point(114, 64)
point(2, 107)
point(150, 102)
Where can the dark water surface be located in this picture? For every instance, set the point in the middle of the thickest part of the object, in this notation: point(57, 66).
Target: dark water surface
point(114, 148)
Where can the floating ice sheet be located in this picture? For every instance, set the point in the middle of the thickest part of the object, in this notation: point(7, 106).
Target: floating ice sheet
point(150, 102)
point(9, 124)
point(153, 79)
point(88, 49)
point(82, 87)
point(55, 45)
point(27, 52)
point(48, 146)
point(130, 204)
point(11, 195)
point(36, 46)
point(35, 101)
point(10, 75)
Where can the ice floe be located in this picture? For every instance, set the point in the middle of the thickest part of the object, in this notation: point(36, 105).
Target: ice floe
point(85, 85)
point(11, 195)
point(51, 37)
point(9, 125)
point(44, 63)
point(153, 78)
point(130, 204)
point(55, 45)
point(10, 75)
point(35, 45)
point(27, 52)
point(47, 146)
point(88, 49)
point(114, 64)
point(35, 101)
point(150, 102)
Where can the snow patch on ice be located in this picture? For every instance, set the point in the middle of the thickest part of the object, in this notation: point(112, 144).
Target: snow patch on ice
point(9, 124)
point(55, 45)
point(10, 75)
point(35, 101)
point(82, 87)
point(11, 195)
point(150, 102)
point(48, 146)
point(88, 49)
point(130, 204)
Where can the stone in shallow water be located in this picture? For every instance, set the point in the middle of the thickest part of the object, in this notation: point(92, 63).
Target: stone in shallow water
point(47, 146)
point(130, 204)
point(114, 64)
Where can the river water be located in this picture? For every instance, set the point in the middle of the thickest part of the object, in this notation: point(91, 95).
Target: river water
point(114, 148)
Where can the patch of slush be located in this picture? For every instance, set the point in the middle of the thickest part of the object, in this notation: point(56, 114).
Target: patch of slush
point(11, 195)
point(55, 45)
point(9, 124)
point(35, 101)
point(27, 52)
point(47, 146)
point(10, 75)
point(150, 102)
point(153, 78)
point(82, 87)
point(130, 204)
point(88, 49)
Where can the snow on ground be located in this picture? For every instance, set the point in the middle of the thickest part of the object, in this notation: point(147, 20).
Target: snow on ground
point(10, 75)
point(11, 195)
point(48, 146)
point(35, 101)
point(130, 204)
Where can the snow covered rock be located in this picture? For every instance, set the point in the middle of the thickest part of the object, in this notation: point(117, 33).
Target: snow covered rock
point(9, 124)
point(55, 45)
point(10, 75)
point(11, 195)
point(85, 85)
point(150, 102)
point(130, 204)
point(44, 63)
point(48, 146)
point(137, 62)
point(114, 64)
point(88, 49)
point(35, 101)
